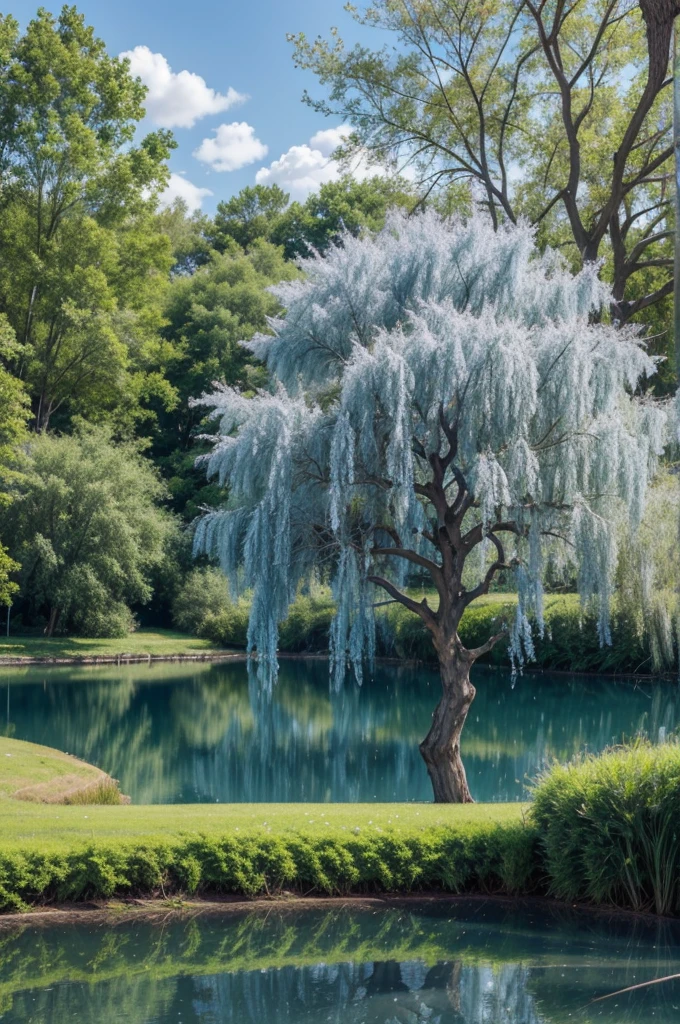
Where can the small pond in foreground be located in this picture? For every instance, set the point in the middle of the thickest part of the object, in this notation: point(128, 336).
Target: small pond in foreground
point(199, 732)
point(466, 962)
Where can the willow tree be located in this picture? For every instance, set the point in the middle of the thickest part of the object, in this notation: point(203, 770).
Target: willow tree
point(442, 397)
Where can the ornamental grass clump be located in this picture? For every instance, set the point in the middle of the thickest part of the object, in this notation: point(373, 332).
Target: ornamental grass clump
point(610, 828)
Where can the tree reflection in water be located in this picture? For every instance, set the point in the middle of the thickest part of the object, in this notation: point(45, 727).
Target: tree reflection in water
point(452, 962)
point(201, 733)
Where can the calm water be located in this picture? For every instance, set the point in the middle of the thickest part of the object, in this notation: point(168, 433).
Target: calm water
point(187, 733)
point(453, 963)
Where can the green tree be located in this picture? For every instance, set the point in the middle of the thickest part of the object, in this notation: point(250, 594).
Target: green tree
point(190, 236)
point(88, 530)
point(13, 416)
point(344, 205)
point(575, 95)
point(250, 215)
point(208, 314)
point(75, 190)
point(263, 212)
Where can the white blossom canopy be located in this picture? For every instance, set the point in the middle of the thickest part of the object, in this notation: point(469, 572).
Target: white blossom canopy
point(393, 348)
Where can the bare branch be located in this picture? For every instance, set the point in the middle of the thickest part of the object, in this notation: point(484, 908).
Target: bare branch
point(420, 608)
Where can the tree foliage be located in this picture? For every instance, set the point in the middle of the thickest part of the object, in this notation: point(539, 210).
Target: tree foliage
point(13, 416)
point(442, 392)
point(264, 212)
point(87, 529)
point(206, 315)
point(250, 215)
point(76, 191)
point(574, 96)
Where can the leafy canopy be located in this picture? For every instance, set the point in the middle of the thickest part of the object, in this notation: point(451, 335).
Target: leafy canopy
point(87, 529)
point(13, 416)
point(76, 201)
point(206, 315)
point(577, 95)
point(264, 212)
point(437, 387)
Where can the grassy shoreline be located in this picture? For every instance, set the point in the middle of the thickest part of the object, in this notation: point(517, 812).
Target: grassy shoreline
point(144, 645)
point(42, 775)
point(600, 830)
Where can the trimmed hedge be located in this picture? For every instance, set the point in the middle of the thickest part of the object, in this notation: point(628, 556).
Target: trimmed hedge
point(610, 828)
point(489, 858)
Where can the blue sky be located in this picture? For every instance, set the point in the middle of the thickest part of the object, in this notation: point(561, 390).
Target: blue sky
point(239, 46)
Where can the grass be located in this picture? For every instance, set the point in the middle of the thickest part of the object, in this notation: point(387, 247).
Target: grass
point(157, 643)
point(41, 775)
point(61, 827)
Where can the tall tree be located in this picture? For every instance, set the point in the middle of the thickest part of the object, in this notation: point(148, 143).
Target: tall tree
point(442, 395)
point(346, 205)
point(13, 416)
point(71, 177)
point(206, 315)
point(557, 111)
point(264, 213)
point(87, 529)
point(250, 215)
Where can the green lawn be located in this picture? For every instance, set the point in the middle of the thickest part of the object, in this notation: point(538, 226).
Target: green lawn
point(50, 825)
point(25, 765)
point(44, 776)
point(157, 642)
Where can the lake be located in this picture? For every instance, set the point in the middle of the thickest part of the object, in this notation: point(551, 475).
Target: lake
point(201, 732)
point(449, 962)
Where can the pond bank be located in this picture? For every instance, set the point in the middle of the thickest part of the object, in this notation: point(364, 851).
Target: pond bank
point(42, 775)
point(160, 909)
point(120, 659)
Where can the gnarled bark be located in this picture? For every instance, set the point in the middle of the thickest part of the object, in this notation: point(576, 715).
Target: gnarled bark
point(441, 747)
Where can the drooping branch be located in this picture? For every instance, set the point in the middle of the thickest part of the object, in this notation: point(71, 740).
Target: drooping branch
point(416, 559)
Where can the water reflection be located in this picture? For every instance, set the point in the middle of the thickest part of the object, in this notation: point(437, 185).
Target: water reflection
point(445, 963)
point(187, 732)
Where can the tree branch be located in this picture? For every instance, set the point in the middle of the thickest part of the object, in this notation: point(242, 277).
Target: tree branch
point(420, 608)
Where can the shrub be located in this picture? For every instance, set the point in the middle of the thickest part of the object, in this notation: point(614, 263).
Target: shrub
point(229, 626)
point(570, 641)
point(479, 857)
point(308, 623)
point(610, 828)
point(305, 629)
point(203, 593)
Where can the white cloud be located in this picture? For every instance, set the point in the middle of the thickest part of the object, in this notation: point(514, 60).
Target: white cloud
point(303, 169)
point(176, 100)
point(234, 146)
point(328, 139)
point(181, 188)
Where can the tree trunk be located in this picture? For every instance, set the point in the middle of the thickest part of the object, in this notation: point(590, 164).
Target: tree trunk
point(53, 620)
point(441, 746)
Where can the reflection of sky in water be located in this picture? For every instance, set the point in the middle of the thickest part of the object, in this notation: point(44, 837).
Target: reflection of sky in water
point(470, 962)
point(187, 733)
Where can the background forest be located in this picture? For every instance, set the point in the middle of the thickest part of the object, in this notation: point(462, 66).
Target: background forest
point(117, 309)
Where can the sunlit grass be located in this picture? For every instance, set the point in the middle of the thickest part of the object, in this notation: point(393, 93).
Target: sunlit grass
point(64, 825)
point(43, 776)
point(158, 642)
